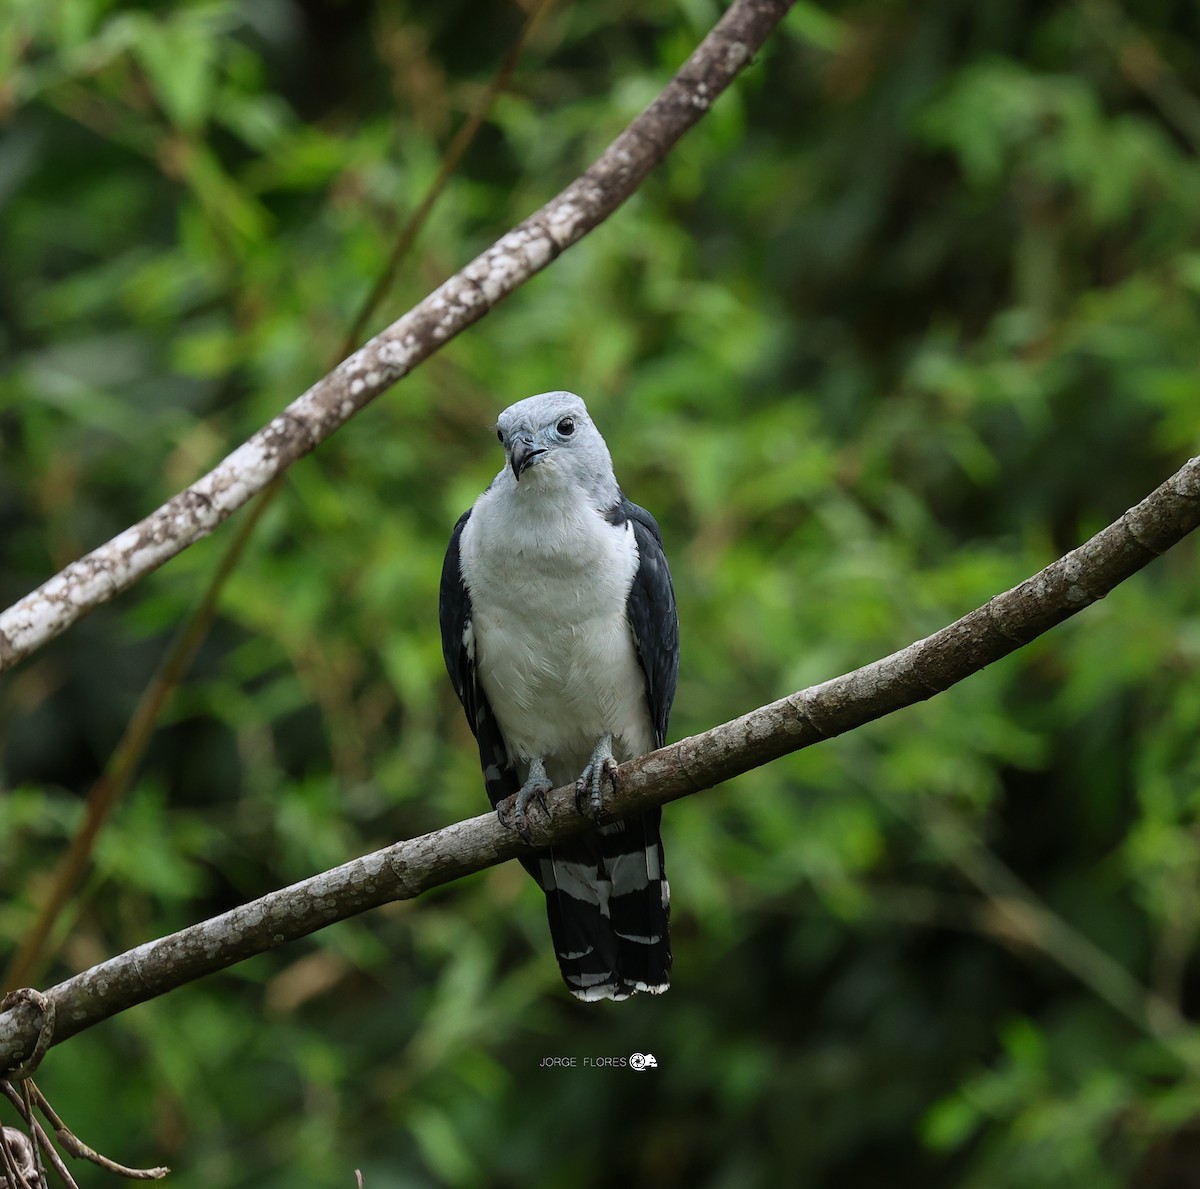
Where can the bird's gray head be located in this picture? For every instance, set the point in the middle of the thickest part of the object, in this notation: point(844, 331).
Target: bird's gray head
point(550, 441)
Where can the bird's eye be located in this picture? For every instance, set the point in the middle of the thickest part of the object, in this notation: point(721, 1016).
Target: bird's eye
point(500, 436)
point(566, 426)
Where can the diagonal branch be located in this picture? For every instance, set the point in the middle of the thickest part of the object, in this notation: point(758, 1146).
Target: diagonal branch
point(393, 353)
point(402, 871)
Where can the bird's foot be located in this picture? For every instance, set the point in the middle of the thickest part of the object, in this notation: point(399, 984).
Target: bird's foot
point(601, 770)
point(512, 810)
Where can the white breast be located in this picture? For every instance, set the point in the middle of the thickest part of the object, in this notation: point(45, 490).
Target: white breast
point(549, 579)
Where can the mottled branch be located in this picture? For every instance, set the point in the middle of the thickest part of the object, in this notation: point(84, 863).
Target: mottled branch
point(389, 356)
point(399, 872)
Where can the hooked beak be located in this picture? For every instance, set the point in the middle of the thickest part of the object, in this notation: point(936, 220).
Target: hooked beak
point(524, 454)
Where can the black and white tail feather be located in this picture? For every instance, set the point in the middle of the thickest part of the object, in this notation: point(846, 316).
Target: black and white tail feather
point(607, 896)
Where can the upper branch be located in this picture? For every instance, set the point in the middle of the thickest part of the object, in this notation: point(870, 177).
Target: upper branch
point(393, 353)
point(1000, 626)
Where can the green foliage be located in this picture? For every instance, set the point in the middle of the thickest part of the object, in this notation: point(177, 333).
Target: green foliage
point(911, 312)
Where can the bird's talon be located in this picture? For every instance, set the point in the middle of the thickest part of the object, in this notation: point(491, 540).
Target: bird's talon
point(512, 817)
point(590, 787)
point(607, 772)
point(512, 811)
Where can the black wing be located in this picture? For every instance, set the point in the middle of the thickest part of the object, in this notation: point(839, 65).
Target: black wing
point(652, 614)
point(458, 651)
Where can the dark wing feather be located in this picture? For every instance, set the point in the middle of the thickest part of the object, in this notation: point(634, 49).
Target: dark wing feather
point(454, 612)
point(652, 615)
point(454, 615)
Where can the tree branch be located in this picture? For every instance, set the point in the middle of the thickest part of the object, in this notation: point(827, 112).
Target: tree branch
point(404, 870)
point(392, 354)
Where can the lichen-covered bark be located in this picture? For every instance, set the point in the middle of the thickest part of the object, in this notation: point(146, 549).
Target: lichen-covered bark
point(392, 354)
point(399, 872)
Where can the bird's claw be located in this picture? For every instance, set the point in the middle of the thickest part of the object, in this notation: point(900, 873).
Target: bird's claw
point(512, 811)
point(600, 771)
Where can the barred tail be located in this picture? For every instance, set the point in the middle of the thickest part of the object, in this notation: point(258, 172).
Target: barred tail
point(608, 903)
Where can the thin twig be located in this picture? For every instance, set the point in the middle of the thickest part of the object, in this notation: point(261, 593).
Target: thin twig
point(1138, 58)
point(462, 141)
point(40, 1136)
point(74, 1146)
point(1021, 915)
point(27, 1088)
point(118, 776)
